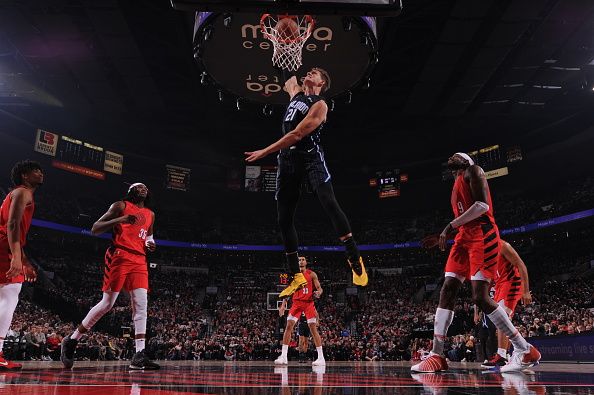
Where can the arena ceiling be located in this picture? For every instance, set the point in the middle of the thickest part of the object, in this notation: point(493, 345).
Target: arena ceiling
point(453, 74)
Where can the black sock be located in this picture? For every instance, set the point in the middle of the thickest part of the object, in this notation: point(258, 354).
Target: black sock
point(293, 263)
point(352, 251)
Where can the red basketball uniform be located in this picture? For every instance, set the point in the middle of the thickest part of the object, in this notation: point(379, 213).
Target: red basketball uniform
point(476, 246)
point(5, 255)
point(125, 261)
point(303, 300)
point(508, 287)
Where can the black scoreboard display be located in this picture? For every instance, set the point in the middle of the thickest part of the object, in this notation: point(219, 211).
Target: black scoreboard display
point(80, 153)
point(78, 156)
point(388, 182)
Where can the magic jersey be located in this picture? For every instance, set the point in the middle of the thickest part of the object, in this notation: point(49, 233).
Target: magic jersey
point(296, 111)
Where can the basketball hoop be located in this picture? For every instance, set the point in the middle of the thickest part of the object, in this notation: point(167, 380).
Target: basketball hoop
point(288, 34)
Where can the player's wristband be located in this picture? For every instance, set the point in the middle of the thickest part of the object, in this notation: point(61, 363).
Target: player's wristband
point(150, 239)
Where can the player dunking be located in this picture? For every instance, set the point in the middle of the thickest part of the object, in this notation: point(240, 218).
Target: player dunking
point(125, 268)
point(300, 157)
point(474, 254)
point(303, 302)
point(512, 285)
point(16, 213)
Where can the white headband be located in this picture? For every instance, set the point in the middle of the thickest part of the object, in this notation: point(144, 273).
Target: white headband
point(465, 156)
point(135, 185)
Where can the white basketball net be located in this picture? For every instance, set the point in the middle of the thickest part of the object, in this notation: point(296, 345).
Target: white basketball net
point(288, 45)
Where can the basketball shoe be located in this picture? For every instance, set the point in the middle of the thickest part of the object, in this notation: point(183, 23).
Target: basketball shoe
point(435, 363)
point(521, 360)
point(8, 365)
point(140, 361)
point(497, 360)
point(281, 360)
point(298, 282)
point(319, 362)
point(359, 272)
point(67, 351)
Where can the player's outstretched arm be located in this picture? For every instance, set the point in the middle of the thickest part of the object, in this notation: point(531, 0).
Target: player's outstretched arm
point(314, 118)
point(112, 217)
point(513, 257)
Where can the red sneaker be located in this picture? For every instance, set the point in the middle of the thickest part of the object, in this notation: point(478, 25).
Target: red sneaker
point(532, 357)
point(497, 360)
point(435, 363)
point(7, 365)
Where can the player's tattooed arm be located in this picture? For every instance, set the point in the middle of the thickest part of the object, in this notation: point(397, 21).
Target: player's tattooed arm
point(112, 217)
point(315, 117)
point(316, 282)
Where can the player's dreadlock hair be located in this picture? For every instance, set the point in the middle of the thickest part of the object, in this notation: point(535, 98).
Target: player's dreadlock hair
point(132, 196)
point(23, 167)
point(325, 77)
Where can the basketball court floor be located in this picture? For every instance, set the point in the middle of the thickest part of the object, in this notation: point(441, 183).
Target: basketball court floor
point(213, 377)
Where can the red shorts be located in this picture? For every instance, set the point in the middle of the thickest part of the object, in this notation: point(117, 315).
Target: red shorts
point(5, 258)
point(508, 294)
point(475, 251)
point(308, 308)
point(124, 270)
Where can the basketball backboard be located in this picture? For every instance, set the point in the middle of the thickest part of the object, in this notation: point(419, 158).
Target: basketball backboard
point(314, 7)
point(234, 55)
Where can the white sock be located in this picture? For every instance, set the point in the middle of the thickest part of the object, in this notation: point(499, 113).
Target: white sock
point(501, 320)
point(1, 345)
point(76, 335)
point(443, 320)
point(320, 352)
point(502, 352)
point(139, 344)
point(285, 350)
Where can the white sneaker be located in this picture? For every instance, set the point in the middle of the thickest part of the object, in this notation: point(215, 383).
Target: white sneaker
point(282, 360)
point(319, 362)
point(521, 360)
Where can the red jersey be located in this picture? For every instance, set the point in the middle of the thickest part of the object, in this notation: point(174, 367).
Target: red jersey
point(462, 200)
point(25, 220)
point(305, 294)
point(131, 237)
point(506, 272)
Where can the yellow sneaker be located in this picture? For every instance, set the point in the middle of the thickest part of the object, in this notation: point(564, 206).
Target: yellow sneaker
point(299, 281)
point(359, 279)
